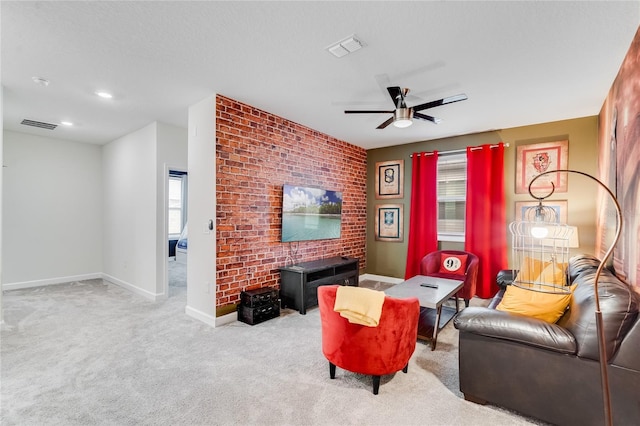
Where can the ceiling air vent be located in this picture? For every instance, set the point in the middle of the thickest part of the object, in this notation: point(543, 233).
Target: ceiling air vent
point(40, 124)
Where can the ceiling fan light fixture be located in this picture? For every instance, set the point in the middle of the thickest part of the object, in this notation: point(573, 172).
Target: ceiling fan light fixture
point(402, 114)
point(402, 117)
point(402, 123)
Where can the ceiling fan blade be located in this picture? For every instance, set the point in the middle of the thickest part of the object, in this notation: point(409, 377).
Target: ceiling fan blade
point(385, 124)
point(383, 81)
point(351, 111)
point(443, 101)
point(426, 117)
point(396, 95)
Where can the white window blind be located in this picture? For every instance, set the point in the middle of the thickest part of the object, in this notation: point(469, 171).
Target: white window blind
point(452, 193)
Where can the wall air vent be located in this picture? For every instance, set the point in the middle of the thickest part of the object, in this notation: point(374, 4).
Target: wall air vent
point(40, 124)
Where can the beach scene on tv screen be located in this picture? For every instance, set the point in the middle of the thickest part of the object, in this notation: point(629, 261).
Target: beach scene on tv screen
point(310, 213)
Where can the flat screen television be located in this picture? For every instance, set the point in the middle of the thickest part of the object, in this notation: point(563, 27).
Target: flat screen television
point(310, 213)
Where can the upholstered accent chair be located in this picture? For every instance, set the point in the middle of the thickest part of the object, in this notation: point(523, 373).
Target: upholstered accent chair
point(432, 264)
point(376, 351)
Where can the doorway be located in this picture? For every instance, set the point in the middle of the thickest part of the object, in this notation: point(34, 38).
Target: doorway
point(177, 231)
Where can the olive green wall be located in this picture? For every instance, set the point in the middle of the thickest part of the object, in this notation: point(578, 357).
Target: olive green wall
point(388, 258)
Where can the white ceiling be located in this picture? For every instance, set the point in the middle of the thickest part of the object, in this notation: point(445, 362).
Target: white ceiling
point(519, 63)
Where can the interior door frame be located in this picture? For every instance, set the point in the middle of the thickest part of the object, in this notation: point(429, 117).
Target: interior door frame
point(165, 257)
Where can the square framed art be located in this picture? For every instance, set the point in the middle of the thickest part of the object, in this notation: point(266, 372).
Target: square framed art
point(559, 206)
point(389, 224)
point(390, 179)
point(534, 159)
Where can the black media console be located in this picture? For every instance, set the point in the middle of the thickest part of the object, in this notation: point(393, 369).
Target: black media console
point(299, 283)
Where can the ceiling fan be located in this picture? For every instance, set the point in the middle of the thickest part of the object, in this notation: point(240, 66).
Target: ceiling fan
point(403, 115)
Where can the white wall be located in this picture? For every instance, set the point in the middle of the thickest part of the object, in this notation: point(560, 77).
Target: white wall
point(129, 198)
point(201, 255)
point(1, 189)
point(134, 193)
point(172, 155)
point(52, 211)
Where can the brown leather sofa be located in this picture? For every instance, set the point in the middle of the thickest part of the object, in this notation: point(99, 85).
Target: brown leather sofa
point(551, 371)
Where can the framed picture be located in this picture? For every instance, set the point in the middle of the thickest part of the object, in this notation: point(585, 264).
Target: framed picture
point(389, 224)
point(537, 158)
point(390, 179)
point(560, 207)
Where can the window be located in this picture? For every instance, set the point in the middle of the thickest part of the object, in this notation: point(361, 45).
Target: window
point(452, 192)
point(177, 204)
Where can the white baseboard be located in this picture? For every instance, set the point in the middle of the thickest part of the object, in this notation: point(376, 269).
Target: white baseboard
point(97, 275)
point(200, 316)
point(382, 278)
point(50, 281)
point(226, 319)
point(154, 297)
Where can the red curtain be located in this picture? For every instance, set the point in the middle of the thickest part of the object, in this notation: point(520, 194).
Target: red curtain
point(423, 219)
point(486, 227)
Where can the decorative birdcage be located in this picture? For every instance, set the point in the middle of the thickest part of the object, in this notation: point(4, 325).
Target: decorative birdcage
point(540, 254)
point(541, 214)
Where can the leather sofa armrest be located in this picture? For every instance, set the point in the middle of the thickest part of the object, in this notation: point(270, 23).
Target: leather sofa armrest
point(505, 277)
point(515, 328)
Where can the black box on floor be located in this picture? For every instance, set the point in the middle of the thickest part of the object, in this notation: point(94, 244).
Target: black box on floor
point(258, 297)
point(258, 314)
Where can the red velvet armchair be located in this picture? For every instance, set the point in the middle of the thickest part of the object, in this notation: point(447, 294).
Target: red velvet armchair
point(374, 351)
point(430, 265)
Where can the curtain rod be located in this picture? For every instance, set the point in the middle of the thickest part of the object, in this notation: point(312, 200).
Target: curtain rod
point(459, 151)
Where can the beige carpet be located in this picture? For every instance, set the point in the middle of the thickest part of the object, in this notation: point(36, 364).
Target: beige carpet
point(92, 353)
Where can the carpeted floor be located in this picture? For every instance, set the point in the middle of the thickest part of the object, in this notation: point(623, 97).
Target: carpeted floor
point(177, 273)
point(92, 353)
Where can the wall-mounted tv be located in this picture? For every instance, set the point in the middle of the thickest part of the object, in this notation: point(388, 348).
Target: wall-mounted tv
point(310, 213)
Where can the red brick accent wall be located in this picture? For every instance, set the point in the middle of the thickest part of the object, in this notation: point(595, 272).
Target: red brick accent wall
point(256, 153)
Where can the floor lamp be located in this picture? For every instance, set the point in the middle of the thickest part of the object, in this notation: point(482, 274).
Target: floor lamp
point(604, 376)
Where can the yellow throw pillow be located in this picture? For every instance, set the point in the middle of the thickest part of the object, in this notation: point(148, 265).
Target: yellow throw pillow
point(548, 307)
point(553, 274)
point(530, 269)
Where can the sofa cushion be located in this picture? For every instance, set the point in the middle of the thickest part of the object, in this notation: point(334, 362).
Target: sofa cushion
point(548, 307)
point(582, 264)
point(619, 305)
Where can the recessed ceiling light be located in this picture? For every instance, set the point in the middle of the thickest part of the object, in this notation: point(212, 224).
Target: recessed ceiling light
point(41, 81)
point(66, 123)
point(105, 95)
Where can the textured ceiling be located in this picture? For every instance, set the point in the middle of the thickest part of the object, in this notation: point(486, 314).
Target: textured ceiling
point(519, 63)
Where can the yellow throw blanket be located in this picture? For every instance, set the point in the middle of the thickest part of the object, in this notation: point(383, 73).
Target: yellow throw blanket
point(359, 305)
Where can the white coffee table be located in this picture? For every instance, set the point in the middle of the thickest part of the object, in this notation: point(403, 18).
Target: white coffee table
point(432, 292)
